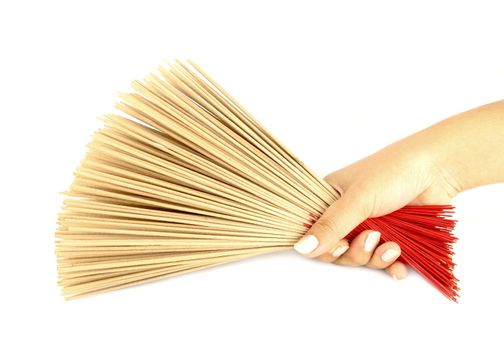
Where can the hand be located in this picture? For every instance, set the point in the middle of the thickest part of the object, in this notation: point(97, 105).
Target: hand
point(429, 167)
point(396, 176)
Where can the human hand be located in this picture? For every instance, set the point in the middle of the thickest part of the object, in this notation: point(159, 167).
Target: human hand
point(404, 173)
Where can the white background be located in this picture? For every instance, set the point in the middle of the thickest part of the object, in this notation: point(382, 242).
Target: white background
point(334, 80)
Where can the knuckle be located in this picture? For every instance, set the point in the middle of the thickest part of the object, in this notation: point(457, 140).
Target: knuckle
point(374, 265)
point(326, 258)
point(358, 259)
point(331, 180)
point(325, 225)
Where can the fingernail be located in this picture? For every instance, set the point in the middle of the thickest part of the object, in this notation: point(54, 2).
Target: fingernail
point(339, 251)
point(395, 278)
point(307, 244)
point(371, 241)
point(389, 255)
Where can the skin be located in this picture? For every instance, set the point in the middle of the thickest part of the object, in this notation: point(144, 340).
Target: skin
point(429, 167)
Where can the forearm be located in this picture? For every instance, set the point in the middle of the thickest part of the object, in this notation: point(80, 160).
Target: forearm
point(469, 146)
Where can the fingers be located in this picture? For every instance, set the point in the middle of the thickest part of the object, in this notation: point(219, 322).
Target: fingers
point(361, 249)
point(340, 248)
point(384, 255)
point(365, 250)
point(336, 222)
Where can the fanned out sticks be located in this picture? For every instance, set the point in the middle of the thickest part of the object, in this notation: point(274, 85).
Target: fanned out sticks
point(187, 179)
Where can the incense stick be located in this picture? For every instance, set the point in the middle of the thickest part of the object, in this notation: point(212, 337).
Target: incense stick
point(187, 179)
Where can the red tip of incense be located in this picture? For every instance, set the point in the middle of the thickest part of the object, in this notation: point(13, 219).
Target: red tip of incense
point(424, 234)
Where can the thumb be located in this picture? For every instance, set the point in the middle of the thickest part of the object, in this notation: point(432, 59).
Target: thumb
point(337, 221)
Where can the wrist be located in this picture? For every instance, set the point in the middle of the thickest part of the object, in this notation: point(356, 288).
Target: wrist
point(441, 173)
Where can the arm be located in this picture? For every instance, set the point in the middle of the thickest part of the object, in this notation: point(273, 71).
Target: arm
point(429, 167)
point(468, 146)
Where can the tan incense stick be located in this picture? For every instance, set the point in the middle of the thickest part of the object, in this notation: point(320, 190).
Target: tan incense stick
point(185, 179)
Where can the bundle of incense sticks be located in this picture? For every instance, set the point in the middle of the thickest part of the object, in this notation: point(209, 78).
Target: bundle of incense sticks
point(185, 178)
